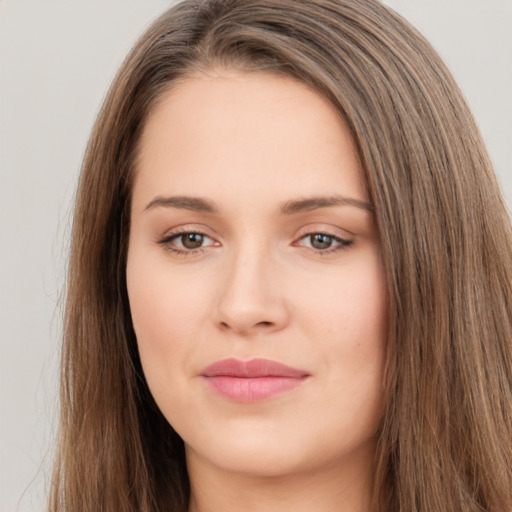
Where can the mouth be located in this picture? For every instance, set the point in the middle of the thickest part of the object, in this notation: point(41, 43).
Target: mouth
point(253, 380)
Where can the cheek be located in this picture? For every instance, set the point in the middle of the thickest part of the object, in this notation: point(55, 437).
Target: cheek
point(167, 312)
point(348, 323)
point(349, 304)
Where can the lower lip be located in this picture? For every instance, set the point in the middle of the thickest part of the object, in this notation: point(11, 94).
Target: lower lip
point(252, 389)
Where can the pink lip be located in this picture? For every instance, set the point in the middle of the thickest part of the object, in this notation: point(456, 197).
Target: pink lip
point(252, 381)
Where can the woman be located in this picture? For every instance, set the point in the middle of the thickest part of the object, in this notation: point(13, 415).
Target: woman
point(290, 282)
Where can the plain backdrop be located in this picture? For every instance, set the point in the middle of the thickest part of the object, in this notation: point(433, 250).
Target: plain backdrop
point(57, 59)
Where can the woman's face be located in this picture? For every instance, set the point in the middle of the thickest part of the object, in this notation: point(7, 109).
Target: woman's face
point(255, 278)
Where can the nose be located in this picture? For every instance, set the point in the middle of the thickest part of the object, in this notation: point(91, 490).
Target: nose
point(252, 295)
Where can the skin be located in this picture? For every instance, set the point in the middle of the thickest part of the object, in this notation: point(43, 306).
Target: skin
point(259, 285)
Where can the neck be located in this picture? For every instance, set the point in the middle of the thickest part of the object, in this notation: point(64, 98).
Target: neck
point(342, 487)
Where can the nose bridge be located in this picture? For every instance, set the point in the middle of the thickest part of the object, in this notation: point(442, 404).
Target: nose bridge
point(249, 296)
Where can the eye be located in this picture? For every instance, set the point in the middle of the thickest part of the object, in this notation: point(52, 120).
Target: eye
point(322, 242)
point(190, 240)
point(186, 242)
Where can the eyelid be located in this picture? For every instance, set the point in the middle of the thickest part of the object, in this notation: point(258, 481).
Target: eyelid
point(187, 228)
point(324, 229)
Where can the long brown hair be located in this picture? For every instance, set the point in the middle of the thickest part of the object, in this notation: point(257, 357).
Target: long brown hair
point(446, 438)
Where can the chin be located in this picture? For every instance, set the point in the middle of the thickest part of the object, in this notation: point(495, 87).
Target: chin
point(273, 452)
point(261, 457)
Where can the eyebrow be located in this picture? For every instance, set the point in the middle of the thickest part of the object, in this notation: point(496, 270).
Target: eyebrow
point(195, 204)
point(314, 203)
point(198, 204)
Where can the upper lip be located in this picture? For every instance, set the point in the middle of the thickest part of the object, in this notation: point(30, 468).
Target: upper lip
point(252, 369)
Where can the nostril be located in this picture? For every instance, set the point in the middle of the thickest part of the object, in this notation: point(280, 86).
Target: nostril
point(246, 329)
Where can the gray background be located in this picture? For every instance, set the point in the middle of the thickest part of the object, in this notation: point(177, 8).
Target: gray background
point(57, 59)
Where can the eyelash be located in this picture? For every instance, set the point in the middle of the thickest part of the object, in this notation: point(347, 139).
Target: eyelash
point(166, 243)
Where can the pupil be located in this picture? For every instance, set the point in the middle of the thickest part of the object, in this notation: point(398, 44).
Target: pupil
point(192, 240)
point(320, 241)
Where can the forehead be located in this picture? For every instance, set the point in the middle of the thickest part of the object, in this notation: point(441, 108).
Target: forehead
point(253, 134)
